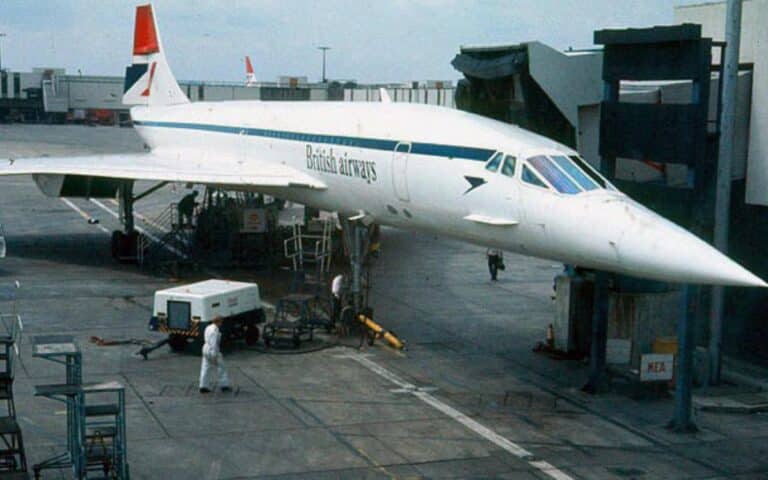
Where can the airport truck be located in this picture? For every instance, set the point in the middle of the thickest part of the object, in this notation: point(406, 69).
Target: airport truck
point(184, 312)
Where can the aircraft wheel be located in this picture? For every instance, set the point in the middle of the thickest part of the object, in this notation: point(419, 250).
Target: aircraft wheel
point(117, 240)
point(252, 335)
point(178, 343)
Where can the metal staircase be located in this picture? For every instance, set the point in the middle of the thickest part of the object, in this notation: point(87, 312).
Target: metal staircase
point(13, 460)
point(165, 240)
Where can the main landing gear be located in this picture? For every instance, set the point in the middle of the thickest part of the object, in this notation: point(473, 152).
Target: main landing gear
point(357, 236)
point(125, 243)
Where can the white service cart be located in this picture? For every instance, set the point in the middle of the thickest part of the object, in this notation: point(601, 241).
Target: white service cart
point(184, 312)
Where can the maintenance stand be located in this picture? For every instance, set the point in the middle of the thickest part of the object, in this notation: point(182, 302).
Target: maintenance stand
point(13, 461)
point(96, 436)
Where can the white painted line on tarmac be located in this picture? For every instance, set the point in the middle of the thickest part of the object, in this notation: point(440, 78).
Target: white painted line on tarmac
point(551, 470)
point(139, 229)
point(477, 427)
point(474, 425)
point(85, 215)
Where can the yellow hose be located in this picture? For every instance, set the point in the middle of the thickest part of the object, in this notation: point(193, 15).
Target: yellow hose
point(390, 338)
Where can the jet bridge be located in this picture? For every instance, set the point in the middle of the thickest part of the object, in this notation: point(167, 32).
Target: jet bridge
point(534, 86)
point(655, 136)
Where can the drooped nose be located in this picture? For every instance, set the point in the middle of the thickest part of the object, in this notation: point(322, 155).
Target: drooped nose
point(653, 247)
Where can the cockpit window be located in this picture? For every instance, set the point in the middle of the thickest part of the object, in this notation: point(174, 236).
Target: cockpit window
point(532, 178)
point(509, 166)
point(575, 172)
point(590, 171)
point(553, 175)
point(494, 162)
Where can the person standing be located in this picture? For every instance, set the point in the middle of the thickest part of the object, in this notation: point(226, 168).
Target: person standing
point(186, 209)
point(212, 358)
point(495, 262)
point(336, 286)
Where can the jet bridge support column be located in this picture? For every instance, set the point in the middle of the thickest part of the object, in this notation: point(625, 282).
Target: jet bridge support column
point(682, 422)
point(597, 356)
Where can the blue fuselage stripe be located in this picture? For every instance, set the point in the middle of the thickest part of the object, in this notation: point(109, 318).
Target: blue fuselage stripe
point(433, 149)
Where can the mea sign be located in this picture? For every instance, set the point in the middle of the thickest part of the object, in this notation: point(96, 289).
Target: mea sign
point(656, 367)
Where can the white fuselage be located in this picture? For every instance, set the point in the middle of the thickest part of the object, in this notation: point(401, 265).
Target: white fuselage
point(406, 165)
point(403, 189)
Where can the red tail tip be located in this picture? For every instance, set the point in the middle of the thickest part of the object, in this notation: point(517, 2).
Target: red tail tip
point(144, 34)
point(248, 66)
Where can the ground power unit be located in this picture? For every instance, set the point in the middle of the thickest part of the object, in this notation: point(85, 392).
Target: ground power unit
point(184, 312)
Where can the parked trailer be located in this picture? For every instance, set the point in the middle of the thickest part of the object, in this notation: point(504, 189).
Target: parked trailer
point(184, 312)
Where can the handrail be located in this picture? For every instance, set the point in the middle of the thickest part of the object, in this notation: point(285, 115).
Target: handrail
point(14, 327)
point(300, 251)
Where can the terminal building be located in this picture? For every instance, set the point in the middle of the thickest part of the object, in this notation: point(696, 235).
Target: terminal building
point(54, 96)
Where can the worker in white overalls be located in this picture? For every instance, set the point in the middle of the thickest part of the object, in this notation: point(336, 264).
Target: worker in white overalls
point(212, 358)
point(336, 286)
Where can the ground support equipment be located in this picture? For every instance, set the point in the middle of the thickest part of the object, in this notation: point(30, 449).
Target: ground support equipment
point(13, 461)
point(62, 349)
point(96, 439)
point(293, 322)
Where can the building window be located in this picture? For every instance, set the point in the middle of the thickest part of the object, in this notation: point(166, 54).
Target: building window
point(16, 85)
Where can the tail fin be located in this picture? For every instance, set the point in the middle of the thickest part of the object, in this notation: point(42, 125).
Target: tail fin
point(149, 80)
point(250, 77)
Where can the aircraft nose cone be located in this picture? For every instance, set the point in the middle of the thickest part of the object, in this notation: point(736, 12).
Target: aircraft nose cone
point(658, 248)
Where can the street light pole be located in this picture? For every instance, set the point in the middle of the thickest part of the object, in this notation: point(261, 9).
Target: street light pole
point(723, 190)
point(324, 49)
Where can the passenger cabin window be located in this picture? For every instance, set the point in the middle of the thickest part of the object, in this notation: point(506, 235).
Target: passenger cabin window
point(549, 171)
point(509, 166)
point(494, 162)
point(532, 178)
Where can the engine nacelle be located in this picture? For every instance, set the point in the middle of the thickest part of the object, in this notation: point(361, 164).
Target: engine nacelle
point(78, 186)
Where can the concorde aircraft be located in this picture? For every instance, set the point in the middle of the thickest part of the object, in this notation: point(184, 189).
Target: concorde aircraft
point(417, 167)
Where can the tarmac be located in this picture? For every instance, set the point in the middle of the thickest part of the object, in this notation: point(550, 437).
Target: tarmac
point(467, 399)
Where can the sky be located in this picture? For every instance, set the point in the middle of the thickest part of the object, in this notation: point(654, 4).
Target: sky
point(371, 41)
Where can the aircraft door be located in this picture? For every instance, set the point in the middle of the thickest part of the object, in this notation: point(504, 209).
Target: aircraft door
point(400, 170)
point(243, 147)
